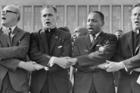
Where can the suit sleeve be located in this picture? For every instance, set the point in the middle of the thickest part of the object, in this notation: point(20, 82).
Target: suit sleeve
point(11, 64)
point(34, 53)
point(13, 55)
point(98, 57)
point(19, 51)
point(133, 62)
point(130, 63)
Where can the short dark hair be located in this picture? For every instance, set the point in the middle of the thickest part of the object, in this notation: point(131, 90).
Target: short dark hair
point(100, 13)
point(50, 6)
point(137, 5)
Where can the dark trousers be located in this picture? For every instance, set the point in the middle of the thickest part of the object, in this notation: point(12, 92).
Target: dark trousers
point(7, 88)
point(45, 88)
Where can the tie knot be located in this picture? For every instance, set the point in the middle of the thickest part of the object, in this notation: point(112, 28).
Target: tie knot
point(10, 30)
point(93, 35)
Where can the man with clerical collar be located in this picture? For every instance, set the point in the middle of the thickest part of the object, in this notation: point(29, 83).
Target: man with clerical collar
point(14, 76)
point(48, 47)
point(128, 57)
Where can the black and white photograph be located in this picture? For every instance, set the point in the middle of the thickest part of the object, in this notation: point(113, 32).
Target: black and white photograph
point(69, 46)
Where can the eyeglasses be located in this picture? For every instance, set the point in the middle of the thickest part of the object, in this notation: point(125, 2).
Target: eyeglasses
point(8, 11)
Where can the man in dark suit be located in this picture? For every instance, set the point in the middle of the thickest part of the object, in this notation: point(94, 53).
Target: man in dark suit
point(14, 44)
point(48, 47)
point(129, 57)
point(91, 52)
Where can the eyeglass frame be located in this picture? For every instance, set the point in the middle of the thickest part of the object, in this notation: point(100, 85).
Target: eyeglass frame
point(8, 11)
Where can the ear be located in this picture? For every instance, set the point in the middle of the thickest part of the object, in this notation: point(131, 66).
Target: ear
point(103, 22)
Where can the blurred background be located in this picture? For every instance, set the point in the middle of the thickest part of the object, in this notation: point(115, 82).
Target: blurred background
point(73, 13)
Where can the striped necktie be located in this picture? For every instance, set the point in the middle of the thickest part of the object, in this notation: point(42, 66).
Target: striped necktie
point(10, 34)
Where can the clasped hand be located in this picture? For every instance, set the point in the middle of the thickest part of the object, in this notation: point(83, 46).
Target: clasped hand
point(65, 62)
point(31, 66)
point(111, 66)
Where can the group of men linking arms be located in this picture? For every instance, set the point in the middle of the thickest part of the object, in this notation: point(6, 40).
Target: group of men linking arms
point(51, 54)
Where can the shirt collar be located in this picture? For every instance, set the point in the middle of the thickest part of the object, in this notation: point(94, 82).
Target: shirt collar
point(137, 31)
point(96, 35)
point(12, 28)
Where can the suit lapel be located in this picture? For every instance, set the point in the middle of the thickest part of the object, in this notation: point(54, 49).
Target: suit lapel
point(4, 38)
point(130, 42)
point(87, 41)
point(18, 33)
point(138, 46)
point(137, 49)
point(98, 39)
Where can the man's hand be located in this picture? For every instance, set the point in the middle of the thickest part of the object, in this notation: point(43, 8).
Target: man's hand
point(136, 69)
point(103, 66)
point(30, 66)
point(72, 61)
point(114, 66)
point(39, 67)
point(62, 62)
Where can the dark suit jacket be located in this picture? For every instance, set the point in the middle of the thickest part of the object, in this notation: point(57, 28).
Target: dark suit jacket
point(89, 56)
point(58, 78)
point(130, 55)
point(11, 52)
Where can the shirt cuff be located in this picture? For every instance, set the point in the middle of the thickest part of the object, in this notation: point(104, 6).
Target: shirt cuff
point(51, 61)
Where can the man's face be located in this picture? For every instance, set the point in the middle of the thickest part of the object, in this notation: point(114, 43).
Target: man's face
point(48, 18)
point(94, 23)
point(9, 16)
point(135, 18)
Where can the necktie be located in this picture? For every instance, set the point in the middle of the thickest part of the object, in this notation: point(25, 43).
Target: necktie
point(136, 40)
point(10, 34)
point(92, 38)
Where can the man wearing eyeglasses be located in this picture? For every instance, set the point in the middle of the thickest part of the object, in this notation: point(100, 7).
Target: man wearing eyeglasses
point(14, 44)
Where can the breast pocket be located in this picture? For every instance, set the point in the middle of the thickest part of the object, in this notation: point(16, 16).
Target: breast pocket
point(58, 50)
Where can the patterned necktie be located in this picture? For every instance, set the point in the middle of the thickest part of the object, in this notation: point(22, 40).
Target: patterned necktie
point(10, 34)
point(92, 38)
